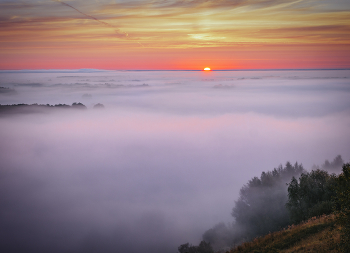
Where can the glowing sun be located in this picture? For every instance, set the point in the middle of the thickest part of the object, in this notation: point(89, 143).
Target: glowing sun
point(207, 69)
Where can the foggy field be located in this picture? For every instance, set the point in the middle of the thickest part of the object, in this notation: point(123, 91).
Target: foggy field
point(163, 161)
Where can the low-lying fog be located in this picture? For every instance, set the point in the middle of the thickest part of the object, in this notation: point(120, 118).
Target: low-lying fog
point(163, 162)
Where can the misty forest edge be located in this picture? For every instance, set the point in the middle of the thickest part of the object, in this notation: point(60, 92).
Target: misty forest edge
point(279, 200)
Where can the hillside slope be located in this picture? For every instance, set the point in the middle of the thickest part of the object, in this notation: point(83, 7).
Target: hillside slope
point(316, 235)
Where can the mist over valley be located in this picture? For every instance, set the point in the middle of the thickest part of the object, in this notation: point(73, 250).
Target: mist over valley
point(165, 158)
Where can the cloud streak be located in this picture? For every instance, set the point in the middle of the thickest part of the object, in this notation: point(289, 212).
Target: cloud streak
point(117, 30)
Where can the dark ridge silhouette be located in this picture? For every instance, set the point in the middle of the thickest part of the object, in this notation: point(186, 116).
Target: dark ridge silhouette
point(36, 108)
point(78, 106)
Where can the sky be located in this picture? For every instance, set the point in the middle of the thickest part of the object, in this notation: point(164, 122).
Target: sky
point(177, 35)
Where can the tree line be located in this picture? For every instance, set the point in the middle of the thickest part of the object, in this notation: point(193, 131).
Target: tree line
point(35, 108)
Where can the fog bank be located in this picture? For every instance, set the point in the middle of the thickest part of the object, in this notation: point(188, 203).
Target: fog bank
point(164, 161)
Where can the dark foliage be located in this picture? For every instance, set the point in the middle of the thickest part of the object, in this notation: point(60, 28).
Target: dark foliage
point(311, 195)
point(78, 106)
point(36, 108)
point(343, 202)
point(60, 106)
point(203, 247)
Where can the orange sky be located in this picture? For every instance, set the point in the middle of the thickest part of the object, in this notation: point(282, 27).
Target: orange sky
point(145, 34)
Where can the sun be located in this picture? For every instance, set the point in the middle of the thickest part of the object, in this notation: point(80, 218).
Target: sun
point(207, 69)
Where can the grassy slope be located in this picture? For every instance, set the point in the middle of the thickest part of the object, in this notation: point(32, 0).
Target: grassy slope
point(316, 235)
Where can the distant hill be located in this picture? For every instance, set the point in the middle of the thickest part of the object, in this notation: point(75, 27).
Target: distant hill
point(316, 235)
point(36, 108)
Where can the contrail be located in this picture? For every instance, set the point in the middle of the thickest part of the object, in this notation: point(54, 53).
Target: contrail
point(117, 30)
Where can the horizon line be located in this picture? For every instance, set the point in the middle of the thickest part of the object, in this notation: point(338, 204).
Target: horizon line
point(92, 69)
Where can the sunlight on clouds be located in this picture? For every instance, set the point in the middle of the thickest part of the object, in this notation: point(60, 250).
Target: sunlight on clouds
point(241, 22)
point(205, 37)
point(101, 24)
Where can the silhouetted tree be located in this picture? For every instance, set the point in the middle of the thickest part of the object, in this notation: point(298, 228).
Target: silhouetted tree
point(334, 166)
point(78, 106)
